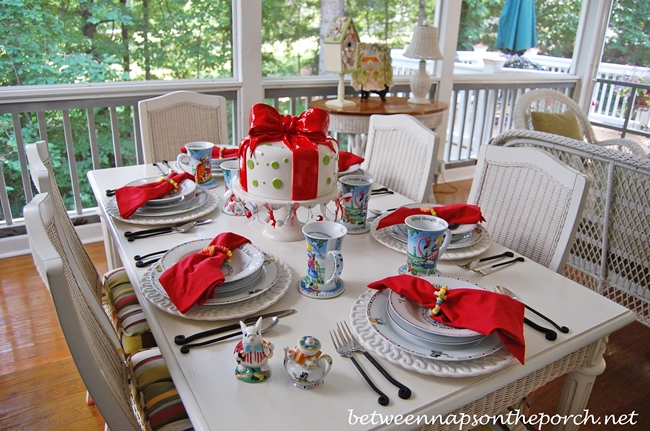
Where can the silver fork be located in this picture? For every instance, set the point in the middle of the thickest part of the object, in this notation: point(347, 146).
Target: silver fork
point(352, 343)
point(343, 350)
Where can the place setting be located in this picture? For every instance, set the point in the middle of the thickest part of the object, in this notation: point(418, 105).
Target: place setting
point(468, 237)
point(217, 278)
point(173, 198)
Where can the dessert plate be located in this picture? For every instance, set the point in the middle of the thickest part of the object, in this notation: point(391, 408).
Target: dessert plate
point(245, 260)
point(473, 237)
point(185, 188)
point(377, 315)
point(262, 281)
point(188, 204)
point(416, 318)
point(373, 342)
point(228, 311)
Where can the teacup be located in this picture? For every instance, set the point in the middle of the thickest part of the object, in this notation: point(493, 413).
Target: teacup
point(232, 205)
point(356, 191)
point(198, 162)
point(427, 239)
point(324, 260)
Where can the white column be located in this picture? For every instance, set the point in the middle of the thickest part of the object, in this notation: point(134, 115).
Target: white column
point(588, 50)
point(447, 20)
point(247, 59)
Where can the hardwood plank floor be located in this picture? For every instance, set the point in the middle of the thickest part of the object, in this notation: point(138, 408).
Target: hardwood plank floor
point(40, 388)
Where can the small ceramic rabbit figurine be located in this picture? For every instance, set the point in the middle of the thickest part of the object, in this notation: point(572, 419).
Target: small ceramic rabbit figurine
point(252, 354)
point(306, 365)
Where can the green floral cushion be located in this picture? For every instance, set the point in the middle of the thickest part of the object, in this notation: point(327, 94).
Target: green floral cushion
point(130, 322)
point(158, 399)
point(565, 124)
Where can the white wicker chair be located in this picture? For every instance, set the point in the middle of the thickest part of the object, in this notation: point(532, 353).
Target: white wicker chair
point(544, 100)
point(401, 154)
point(172, 120)
point(111, 380)
point(532, 202)
point(611, 254)
point(111, 293)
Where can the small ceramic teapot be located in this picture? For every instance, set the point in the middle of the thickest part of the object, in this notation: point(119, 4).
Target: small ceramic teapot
point(305, 364)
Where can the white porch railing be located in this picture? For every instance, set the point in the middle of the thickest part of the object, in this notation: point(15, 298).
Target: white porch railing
point(481, 107)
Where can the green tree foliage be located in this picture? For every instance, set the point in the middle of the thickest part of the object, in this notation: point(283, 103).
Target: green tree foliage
point(628, 39)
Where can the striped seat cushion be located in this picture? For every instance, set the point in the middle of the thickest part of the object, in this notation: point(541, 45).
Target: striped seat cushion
point(127, 314)
point(158, 399)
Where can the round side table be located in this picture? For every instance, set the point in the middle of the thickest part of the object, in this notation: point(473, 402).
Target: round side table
point(355, 120)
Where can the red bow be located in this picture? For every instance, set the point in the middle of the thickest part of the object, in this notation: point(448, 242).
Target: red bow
point(301, 134)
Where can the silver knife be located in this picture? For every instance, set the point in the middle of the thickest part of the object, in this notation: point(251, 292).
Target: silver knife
point(182, 339)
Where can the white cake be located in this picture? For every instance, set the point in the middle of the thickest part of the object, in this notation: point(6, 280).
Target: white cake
point(276, 172)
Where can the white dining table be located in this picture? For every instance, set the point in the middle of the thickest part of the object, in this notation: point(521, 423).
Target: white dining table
point(216, 400)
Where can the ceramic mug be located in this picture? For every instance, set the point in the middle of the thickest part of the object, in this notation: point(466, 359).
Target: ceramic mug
point(356, 191)
point(427, 239)
point(324, 259)
point(198, 162)
point(232, 205)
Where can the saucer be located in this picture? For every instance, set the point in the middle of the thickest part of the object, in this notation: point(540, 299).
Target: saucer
point(403, 270)
point(306, 287)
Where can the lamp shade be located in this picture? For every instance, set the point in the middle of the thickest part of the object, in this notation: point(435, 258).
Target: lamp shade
point(424, 44)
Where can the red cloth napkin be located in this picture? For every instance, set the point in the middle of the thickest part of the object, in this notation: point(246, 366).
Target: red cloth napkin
point(455, 213)
point(476, 309)
point(220, 152)
point(130, 198)
point(193, 279)
point(347, 160)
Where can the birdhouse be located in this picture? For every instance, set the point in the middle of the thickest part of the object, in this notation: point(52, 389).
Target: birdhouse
point(340, 46)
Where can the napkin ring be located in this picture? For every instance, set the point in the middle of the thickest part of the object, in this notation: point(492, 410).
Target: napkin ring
point(429, 209)
point(441, 297)
point(222, 151)
point(211, 250)
point(170, 181)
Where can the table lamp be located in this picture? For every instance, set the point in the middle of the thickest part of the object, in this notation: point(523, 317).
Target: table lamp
point(340, 50)
point(424, 46)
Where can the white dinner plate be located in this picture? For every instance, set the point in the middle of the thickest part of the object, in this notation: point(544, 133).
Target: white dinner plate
point(185, 188)
point(379, 321)
point(417, 318)
point(262, 280)
point(245, 260)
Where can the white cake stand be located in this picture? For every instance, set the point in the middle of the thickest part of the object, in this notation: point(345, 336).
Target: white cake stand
point(285, 232)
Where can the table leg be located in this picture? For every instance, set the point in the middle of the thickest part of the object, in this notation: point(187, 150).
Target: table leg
point(112, 256)
point(577, 388)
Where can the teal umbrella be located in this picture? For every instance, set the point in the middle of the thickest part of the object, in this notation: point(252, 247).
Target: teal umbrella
point(517, 26)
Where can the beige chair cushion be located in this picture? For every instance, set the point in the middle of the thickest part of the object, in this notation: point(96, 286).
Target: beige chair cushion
point(565, 124)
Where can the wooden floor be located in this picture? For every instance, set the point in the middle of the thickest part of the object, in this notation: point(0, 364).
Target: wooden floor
point(41, 390)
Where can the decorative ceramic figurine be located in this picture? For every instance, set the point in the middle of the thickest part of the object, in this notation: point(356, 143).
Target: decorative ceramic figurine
point(252, 354)
point(306, 365)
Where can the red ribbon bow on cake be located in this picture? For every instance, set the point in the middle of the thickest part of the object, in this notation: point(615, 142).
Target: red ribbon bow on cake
point(130, 198)
point(220, 152)
point(455, 213)
point(301, 134)
point(193, 279)
point(476, 309)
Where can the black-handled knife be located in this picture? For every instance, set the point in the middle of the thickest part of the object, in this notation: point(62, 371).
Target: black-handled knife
point(182, 339)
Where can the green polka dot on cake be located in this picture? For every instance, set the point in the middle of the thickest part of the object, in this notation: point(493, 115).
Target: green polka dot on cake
point(250, 164)
point(286, 160)
point(328, 181)
point(277, 183)
point(255, 183)
point(326, 160)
